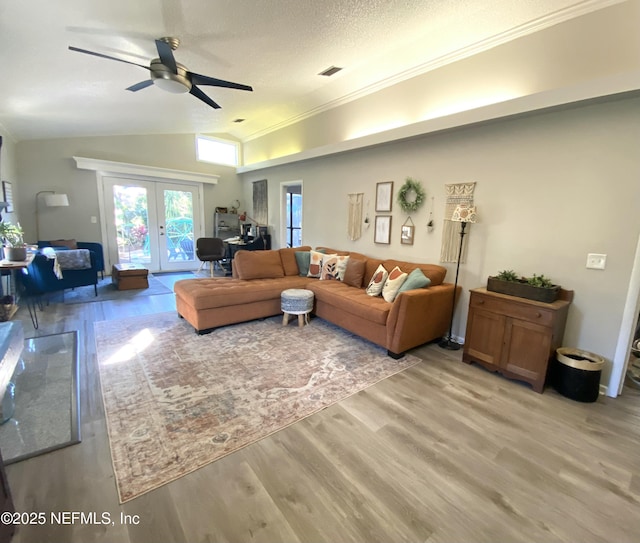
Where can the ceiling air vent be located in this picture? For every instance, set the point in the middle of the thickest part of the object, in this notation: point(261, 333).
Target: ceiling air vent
point(330, 71)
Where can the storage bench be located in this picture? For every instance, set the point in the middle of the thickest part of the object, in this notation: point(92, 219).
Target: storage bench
point(129, 276)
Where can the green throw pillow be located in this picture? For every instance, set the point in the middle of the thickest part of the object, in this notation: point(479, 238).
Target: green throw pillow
point(416, 279)
point(303, 258)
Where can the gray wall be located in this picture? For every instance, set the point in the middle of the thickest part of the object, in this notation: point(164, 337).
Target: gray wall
point(48, 165)
point(551, 187)
point(8, 172)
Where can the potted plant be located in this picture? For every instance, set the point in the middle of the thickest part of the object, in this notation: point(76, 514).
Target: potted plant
point(538, 287)
point(12, 236)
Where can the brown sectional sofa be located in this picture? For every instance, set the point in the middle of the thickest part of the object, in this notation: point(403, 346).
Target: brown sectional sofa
point(413, 318)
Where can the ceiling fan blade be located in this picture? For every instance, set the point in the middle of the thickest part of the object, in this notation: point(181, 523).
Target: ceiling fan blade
point(202, 96)
point(166, 55)
point(140, 86)
point(71, 48)
point(198, 79)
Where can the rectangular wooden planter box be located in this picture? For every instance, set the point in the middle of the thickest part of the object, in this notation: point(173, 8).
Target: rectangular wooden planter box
point(523, 290)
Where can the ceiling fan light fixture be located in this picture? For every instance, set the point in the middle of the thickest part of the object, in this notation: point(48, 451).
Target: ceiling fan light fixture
point(171, 85)
point(171, 76)
point(168, 81)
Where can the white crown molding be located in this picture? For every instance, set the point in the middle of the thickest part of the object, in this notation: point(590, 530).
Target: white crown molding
point(109, 167)
point(525, 29)
point(618, 84)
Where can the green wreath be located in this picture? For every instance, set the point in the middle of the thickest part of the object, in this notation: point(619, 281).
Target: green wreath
point(411, 186)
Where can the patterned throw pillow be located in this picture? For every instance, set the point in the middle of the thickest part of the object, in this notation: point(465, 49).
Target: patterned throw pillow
point(315, 263)
point(391, 287)
point(334, 267)
point(416, 279)
point(377, 281)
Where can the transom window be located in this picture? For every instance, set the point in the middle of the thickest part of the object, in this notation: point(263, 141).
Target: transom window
point(217, 151)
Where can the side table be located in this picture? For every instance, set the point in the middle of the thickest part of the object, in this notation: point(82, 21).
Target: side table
point(129, 276)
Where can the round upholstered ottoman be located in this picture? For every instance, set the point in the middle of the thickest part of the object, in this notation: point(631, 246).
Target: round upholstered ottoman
point(296, 301)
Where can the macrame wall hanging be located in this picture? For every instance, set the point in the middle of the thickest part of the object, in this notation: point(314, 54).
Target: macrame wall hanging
point(354, 223)
point(460, 193)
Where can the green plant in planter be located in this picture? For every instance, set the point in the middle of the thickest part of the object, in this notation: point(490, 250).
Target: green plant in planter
point(538, 287)
point(507, 275)
point(12, 234)
point(540, 281)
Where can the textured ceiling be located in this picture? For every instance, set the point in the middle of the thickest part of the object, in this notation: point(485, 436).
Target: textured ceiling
point(277, 46)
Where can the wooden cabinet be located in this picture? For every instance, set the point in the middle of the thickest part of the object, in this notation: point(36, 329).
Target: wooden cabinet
point(515, 336)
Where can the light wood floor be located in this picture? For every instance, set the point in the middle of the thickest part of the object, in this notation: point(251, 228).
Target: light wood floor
point(443, 452)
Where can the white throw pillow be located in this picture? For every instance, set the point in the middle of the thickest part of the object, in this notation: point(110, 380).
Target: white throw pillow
point(377, 281)
point(391, 287)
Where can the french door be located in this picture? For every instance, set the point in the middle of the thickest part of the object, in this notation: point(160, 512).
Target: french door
point(153, 224)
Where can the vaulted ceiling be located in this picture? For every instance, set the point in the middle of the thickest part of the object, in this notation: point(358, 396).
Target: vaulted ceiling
point(279, 47)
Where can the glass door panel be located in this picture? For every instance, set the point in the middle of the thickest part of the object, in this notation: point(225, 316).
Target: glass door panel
point(294, 220)
point(132, 224)
point(178, 225)
point(131, 215)
point(153, 224)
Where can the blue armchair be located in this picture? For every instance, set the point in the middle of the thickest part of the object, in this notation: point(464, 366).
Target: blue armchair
point(39, 277)
point(91, 246)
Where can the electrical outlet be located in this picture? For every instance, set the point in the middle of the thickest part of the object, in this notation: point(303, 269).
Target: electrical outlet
point(94, 219)
point(596, 261)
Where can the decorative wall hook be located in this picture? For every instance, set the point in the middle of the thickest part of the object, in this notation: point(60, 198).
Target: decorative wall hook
point(430, 224)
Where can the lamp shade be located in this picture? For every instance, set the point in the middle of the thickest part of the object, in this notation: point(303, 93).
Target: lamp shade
point(464, 213)
point(56, 200)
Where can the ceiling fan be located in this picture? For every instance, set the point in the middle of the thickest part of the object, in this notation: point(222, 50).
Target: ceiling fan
point(172, 76)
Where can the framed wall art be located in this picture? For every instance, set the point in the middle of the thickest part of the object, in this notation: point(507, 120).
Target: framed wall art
point(383, 229)
point(384, 196)
point(406, 235)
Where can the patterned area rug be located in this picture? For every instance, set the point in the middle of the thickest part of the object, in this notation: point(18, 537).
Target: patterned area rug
point(176, 401)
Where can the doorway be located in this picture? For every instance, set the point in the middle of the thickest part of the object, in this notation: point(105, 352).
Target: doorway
point(291, 213)
point(153, 224)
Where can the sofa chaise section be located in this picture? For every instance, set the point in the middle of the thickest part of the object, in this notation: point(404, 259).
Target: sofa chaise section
point(209, 303)
point(259, 277)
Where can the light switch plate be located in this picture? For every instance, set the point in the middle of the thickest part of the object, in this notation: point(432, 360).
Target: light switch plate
point(596, 261)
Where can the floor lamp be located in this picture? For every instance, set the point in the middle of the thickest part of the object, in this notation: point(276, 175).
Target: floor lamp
point(462, 214)
point(52, 199)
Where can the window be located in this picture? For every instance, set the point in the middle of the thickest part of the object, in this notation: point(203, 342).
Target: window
point(294, 220)
point(217, 151)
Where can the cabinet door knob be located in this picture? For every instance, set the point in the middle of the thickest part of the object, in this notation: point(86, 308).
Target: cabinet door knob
point(480, 302)
point(538, 314)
